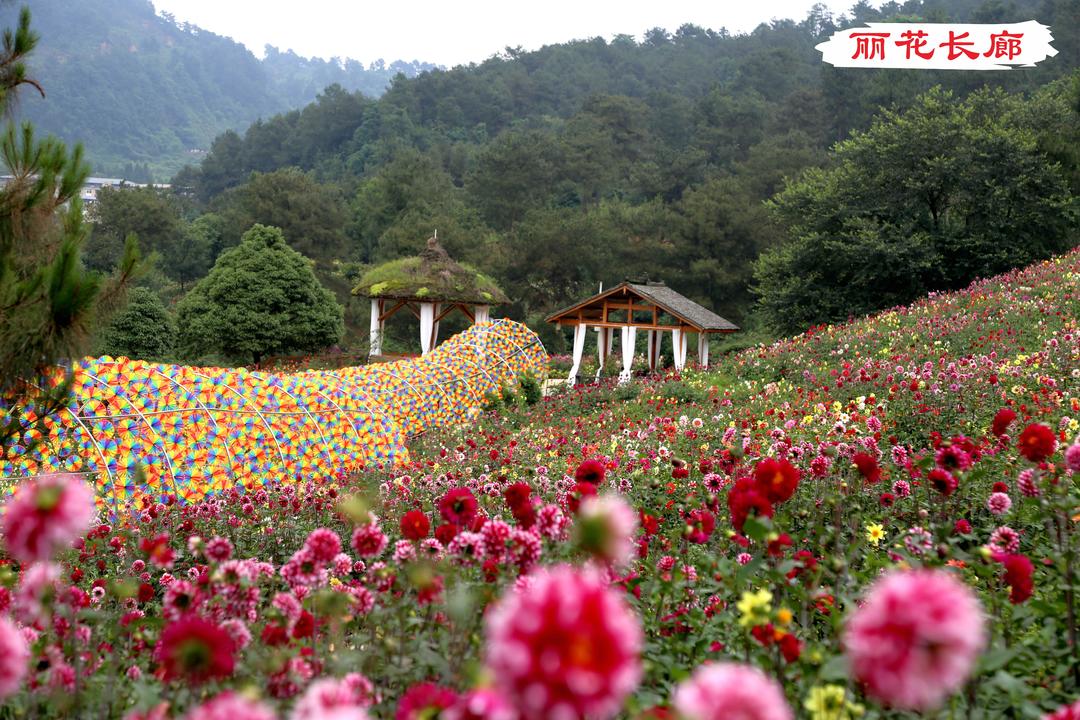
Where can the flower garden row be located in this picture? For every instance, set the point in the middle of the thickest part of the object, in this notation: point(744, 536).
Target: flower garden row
point(874, 519)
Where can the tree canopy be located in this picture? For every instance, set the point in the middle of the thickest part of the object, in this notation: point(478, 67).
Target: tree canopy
point(142, 330)
point(925, 199)
point(260, 298)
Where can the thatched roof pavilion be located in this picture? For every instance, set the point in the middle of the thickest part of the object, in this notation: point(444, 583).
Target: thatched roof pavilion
point(430, 285)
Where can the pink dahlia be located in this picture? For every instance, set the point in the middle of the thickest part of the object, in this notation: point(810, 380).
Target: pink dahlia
point(369, 540)
point(605, 528)
point(229, 706)
point(14, 655)
point(323, 544)
point(328, 696)
point(1065, 712)
point(1072, 457)
point(915, 639)
point(46, 515)
point(481, 705)
point(998, 503)
point(567, 647)
point(730, 690)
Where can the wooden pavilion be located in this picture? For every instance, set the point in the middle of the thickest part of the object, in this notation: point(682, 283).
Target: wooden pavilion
point(629, 307)
point(430, 285)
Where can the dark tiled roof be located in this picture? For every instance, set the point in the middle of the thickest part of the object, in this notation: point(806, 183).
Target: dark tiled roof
point(666, 299)
point(683, 307)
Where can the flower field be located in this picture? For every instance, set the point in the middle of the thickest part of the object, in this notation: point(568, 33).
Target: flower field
point(877, 519)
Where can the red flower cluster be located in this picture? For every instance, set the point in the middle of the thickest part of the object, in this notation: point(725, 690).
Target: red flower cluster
point(195, 650)
point(1037, 442)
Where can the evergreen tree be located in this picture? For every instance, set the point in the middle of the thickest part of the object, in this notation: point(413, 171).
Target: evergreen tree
point(260, 298)
point(143, 330)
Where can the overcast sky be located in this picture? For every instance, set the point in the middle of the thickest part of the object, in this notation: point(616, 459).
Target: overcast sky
point(461, 31)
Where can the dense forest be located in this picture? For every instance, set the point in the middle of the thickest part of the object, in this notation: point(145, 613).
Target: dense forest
point(734, 167)
point(146, 94)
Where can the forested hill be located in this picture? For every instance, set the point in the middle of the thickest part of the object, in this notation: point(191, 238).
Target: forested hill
point(144, 92)
point(721, 164)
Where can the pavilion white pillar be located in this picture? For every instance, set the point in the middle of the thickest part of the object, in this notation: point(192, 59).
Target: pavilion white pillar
point(603, 348)
point(580, 331)
point(654, 349)
point(481, 314)
point(628, 343)
point(703, 350)
point(678, 344)
point(428, 327)
point(377, 325)
point(610, 341)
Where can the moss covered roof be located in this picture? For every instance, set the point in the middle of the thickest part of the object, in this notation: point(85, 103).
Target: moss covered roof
point(431, 276)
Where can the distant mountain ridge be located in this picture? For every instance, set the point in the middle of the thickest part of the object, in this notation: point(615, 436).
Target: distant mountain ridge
point(147, 94)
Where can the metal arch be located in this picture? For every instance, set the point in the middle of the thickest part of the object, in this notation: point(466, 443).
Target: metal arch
point(256, 410)
point(101, 454)
point(382, 415)
point(341, 410)
point(164, 449)
point(326, 445)
point(490, 331)
point(378, 369)
point(193, 396)
point(90, 434)
point(467, 380)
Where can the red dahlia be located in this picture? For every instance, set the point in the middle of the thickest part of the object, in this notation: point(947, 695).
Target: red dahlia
point(1037, 442)
point(745, 498)
point(579, 492)
point(590, 471)
point(1002, 420)
point(1018, 576)
point(776, 479)
point(415, 525)
point(867, 466)
point(701, 524)
point(943, 481)
point(195, 650)
point(458, 506)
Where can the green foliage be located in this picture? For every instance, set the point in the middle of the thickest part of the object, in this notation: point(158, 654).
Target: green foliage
point(152, 215)
point(149, 94)
point(594, 161)
point(309, 213)
point(531, 392)
point(925, 199)
point(143, 330)
point(681, 392)
point(260, 298)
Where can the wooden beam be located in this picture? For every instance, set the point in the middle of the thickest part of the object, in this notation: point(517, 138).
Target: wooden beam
point(641, 326)
point(446, 311)
point(400, 304)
